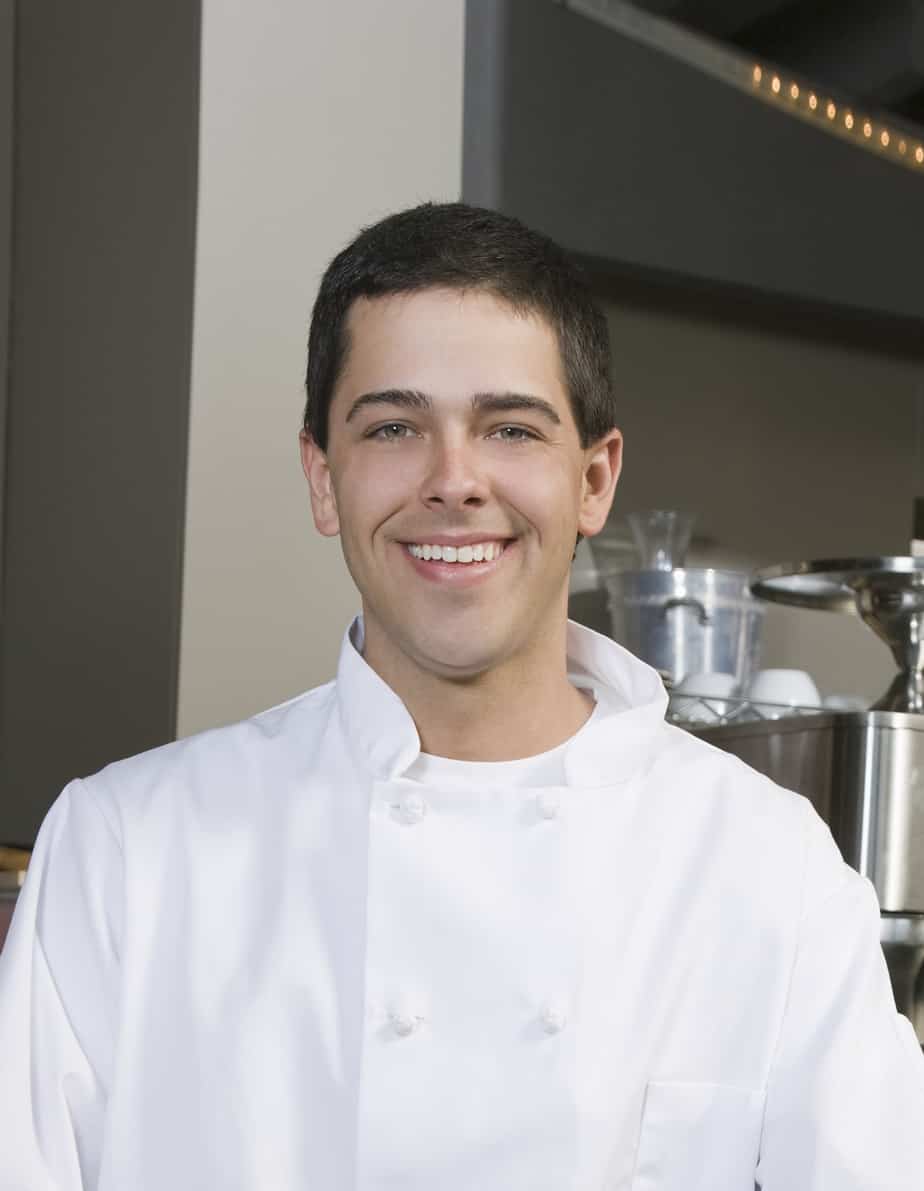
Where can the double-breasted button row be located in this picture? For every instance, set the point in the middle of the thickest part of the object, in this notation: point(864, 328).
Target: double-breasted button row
point(412, 808)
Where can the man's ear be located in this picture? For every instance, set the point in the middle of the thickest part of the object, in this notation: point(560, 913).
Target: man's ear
point(602, 465)
point(320, 485)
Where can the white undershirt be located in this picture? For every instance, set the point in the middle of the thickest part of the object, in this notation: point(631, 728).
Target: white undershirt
point(543, 769)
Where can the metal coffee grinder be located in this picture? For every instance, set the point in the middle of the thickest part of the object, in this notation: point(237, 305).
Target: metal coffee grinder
point(873, 761)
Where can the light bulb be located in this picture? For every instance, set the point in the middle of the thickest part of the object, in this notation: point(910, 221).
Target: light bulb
point(813, 101)
point(831, 110)
point(775, 85)
point(758, 74)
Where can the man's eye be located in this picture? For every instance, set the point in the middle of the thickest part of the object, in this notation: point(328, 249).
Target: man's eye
point(379, 432)
point(515, 433)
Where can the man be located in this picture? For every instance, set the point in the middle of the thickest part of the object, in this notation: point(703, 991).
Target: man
point(470, 917)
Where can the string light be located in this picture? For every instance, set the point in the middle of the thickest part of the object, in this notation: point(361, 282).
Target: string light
point(862, 130)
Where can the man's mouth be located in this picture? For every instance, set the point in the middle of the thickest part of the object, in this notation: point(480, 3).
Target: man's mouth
point(484, 551)
point(458, 567)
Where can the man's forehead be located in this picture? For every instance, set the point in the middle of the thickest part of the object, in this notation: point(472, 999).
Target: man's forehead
point(442, 302)
point(413, 340)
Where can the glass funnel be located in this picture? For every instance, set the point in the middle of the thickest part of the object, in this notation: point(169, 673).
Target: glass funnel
point(662, 537)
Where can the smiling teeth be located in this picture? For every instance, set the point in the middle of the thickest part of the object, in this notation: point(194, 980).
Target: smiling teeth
point(482, 552)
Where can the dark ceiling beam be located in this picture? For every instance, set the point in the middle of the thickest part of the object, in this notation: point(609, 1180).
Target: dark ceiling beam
point(872, 50)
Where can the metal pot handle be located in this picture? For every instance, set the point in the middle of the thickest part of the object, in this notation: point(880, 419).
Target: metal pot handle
point(686, 602)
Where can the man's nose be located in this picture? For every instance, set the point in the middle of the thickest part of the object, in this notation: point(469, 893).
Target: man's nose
point(454, 475)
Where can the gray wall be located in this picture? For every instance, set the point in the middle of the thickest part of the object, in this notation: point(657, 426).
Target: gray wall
point(104, 211)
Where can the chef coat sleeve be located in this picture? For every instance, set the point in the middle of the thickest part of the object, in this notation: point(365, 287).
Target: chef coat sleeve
point(845, 1097)
point(58, 1000)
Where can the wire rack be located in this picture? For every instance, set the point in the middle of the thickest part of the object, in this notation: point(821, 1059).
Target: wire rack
point(698, 711)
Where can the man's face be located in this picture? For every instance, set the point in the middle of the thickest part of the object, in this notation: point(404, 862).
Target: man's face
point(430, 441)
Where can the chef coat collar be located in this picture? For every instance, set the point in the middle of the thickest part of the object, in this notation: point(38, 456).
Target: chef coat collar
point(607, 750)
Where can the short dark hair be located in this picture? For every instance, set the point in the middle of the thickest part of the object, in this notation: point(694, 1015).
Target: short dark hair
point(457, 246)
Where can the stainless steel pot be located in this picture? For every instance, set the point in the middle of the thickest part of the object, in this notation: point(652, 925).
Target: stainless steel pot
point(687, 621)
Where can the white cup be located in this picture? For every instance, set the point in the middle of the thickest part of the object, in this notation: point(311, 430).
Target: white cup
point(773, 691)
point(707, 691)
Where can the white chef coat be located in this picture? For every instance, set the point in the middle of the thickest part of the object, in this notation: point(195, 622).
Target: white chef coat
point(267, 957)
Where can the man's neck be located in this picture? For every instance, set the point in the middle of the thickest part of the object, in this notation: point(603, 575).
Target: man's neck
point(492, 732)
point(520, 709)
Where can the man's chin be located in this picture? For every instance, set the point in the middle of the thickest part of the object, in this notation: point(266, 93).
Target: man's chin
point(454, 655)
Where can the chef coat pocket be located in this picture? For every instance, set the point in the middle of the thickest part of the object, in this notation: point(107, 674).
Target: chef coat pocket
point(698, 1137)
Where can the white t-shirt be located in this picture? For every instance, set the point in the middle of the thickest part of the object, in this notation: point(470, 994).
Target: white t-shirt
point(543, 769)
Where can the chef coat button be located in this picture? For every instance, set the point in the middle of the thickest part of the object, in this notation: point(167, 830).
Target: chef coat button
point(411, 808)
point(548, 804)
point(404, 1024)
point(552, 1019)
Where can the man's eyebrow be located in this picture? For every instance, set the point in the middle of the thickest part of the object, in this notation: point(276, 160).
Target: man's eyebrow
point(490, 402)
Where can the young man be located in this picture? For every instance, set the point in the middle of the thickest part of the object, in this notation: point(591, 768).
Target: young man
point(470, 917)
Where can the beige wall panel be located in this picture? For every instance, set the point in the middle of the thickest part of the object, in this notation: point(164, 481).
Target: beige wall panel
point(315, 119)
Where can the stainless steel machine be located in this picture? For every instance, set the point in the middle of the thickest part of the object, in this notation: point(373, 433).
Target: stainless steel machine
point(864, 771)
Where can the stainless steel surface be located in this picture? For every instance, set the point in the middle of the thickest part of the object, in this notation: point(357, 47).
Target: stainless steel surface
point(688, 620)
point(877, 813)
point(887, 593)
point(902, 939)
